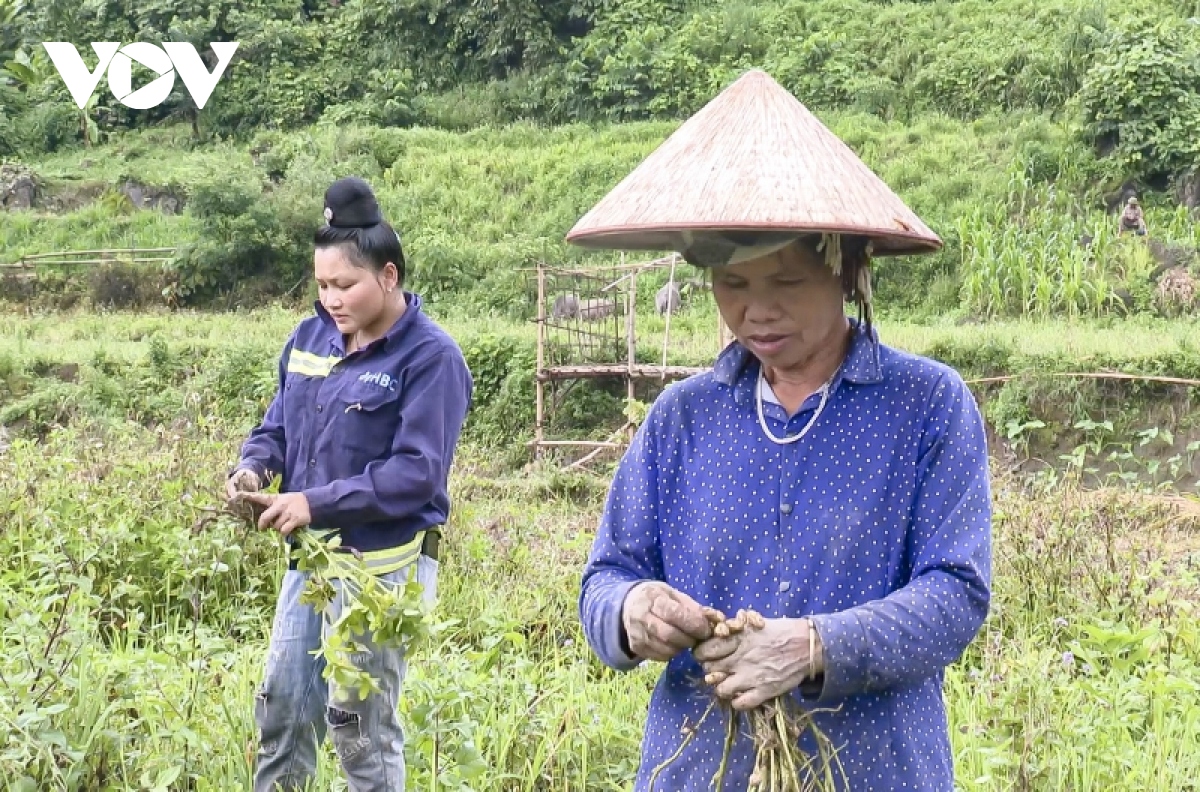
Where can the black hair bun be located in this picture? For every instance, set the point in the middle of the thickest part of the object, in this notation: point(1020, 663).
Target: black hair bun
point(350, 203)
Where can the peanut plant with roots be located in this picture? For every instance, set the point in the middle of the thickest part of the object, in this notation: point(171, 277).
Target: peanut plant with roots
point(389, 616)
point(774, 727)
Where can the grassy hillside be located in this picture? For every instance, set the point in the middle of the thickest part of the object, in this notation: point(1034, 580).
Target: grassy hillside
point(476, 207)
point(1011, 126)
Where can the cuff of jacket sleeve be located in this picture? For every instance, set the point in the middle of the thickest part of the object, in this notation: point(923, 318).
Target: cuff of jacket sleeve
point(614, 648)
point(320, 504)
point(253, 467)
point(844, 659)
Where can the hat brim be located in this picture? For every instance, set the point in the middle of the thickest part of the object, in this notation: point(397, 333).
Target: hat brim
point(884, 242)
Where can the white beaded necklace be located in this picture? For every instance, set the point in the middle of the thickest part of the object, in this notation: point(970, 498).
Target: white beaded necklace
point(762, 421)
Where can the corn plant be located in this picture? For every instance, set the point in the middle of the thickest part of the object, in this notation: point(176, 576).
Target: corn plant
point(1041, 256)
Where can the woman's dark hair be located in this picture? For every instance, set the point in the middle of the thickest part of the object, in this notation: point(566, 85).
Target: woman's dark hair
point(353, 220)
point(856, 277)
point(855, 270)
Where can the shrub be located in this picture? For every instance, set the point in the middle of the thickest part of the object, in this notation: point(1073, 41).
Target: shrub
point(124, 285)
point(242, 237)
point(48, 127)
point(503, 403)
point(1140, 100)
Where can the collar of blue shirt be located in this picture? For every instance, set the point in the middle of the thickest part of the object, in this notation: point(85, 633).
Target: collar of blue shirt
point(736, 366)
point(388, 340)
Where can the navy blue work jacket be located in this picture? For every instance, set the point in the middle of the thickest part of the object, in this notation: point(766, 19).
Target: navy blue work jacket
point(368, 437)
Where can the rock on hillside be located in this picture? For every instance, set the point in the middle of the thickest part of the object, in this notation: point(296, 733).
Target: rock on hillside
point(22, 188)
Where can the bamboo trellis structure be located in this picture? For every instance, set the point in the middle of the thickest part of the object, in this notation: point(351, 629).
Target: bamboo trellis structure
point(594, 317)
point(27, 265)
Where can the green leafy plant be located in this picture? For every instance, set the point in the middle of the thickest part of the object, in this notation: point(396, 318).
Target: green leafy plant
point(368, 611)
point(386, 616)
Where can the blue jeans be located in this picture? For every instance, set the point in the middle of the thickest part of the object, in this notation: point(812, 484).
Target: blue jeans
point(293, 709)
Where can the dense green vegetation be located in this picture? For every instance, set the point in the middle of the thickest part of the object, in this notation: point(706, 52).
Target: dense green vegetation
point(473, 207)
point(458, 64)
point(477, 207)
point(132, 631)
point(1013, 127)
point(150, 368)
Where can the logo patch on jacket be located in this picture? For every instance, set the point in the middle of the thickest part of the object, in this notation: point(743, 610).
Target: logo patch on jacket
point(380, 378)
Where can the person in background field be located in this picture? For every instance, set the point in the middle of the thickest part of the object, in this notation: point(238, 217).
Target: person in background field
point(363, 428)
point(835, 485)
point(1132, 219)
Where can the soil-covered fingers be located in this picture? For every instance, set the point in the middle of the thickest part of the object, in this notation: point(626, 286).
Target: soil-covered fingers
point(656, 639)
point(738, 689)
point(243, 480)
point(684, 614)
point(271, 507)
point(750, 700)
point(661, 621)
point(728, 685)
point(241, 506)
point(715, 650)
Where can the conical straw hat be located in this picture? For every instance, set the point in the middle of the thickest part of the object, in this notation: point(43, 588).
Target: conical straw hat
point(754, 159)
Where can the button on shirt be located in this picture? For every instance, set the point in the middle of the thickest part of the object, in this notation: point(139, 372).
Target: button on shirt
point(877, 525)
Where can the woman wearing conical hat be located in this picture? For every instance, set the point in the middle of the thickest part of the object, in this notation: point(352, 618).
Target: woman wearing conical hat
point(816, 476)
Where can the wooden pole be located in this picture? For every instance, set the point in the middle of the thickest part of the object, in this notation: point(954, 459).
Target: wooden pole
point(667, 327)
point(599, 448)
point(631, 341)
point(724, 336)
point(541, 341)
point(29, 263)
point(582, 443)
point(98, 252)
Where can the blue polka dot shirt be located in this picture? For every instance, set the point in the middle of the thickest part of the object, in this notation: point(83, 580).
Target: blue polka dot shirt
point(876, 525)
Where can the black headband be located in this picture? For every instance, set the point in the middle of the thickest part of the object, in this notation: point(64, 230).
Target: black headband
point(349, 203)
point(719, 248)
